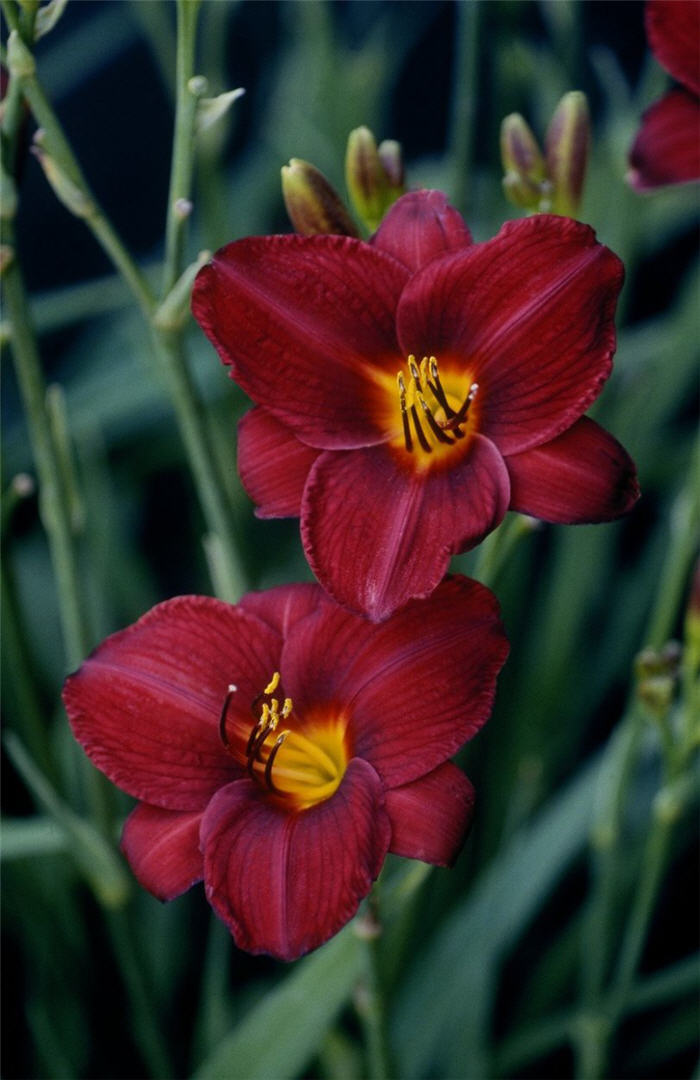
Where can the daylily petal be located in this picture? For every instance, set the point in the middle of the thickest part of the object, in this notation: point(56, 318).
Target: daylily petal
point(283, 606)
point(667, 147)
point(285, 883)
point(415, 688)
point(673, 31)
point(145, 705)
point(273, 464)
point(530, 315)
point(162, 847)
point(376, 534)
point(420, 226)
point(431, 816)
point(300, 319)
point(583, 476)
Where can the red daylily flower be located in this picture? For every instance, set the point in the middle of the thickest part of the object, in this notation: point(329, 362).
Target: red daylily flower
point(413, 388)
point(667, 147)
point(282, 746)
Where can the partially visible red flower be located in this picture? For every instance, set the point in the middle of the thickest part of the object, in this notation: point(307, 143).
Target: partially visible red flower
point(667, 147)
point(411, 389)
point(282, 746)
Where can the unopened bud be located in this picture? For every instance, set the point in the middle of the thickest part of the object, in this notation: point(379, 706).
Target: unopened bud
point(210, 110)
point(520, 152)
point(567, 144)
point(7, 257)
point(20, 61)
point(47, 16)
point(313, 204)
point(66, 190)
point(198, 85)
point(371, 185)
point(526, 194)
point(391, 157)
point(183, 208)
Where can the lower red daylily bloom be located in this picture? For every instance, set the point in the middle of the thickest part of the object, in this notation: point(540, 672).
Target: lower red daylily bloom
point(411, 389)
point(667, 147)
point(282, 746)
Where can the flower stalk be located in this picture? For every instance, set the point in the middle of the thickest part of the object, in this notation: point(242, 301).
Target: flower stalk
point(63, 171)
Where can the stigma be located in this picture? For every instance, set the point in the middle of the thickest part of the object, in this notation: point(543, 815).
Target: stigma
point(428, 417)
point(303, 767)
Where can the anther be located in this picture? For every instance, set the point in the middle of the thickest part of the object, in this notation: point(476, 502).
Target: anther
point(273, 684)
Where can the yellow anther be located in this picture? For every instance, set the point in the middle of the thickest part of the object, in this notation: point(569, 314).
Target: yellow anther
point(413, 368)
point(273, 684)
point(286, 708)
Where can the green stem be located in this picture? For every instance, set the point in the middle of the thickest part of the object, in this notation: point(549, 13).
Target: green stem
point(182, 165)
point(464, 98)
point(495, 551)
point(54, 499)
point(167, 344)
point(684, 526)
point(370, 1007)
point(197, 439)
point(144, 1018)
point(57, 146)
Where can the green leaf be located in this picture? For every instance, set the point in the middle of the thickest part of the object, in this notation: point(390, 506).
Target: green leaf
point(442, 1015)
point(99, 863)
point(281, 1034)
point(26, 838)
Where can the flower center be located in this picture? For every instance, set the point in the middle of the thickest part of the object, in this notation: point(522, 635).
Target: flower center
point(430, 417)
point(304, 765)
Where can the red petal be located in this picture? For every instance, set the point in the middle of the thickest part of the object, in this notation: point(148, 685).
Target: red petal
point(273, 464)
point(530, 314)
point(146, 704)
point(582, 476)
point(667, 147)
point(162, 847)
point(415, 687)
point(284, 605)
point(673, 30)
point(302, 319)
point(376, 535)
point(420, 226)
point(285, 883)
point(430, 817)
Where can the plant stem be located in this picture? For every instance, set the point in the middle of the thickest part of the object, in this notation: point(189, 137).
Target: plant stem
point(370, 1008)
point(53, 498)
point(167, 343)
point(461, 137)
point(182, 164)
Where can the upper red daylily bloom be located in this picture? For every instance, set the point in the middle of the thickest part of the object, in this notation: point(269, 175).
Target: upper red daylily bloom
point(283, 746)
point(413, 388)
point(667, 147)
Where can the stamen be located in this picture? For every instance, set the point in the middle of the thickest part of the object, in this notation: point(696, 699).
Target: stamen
point(224, 713)
point(273, 684)
point(271, 760)
point(460, 416)
point(433, 424)
point(408, 441)
point(419, 431)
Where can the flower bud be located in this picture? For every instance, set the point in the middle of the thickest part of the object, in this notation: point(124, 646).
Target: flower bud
point(567, 144)
point(210, 110)
point(391, 157)
point(373, 185)
point(520, 152)
point(66, 190)
point(20, 61)
point(313, 204)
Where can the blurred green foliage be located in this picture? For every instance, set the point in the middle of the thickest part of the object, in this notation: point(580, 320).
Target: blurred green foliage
point(506, 965)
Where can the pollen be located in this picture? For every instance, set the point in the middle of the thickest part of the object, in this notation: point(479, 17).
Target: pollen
point(300, 763)
point(430, 416)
